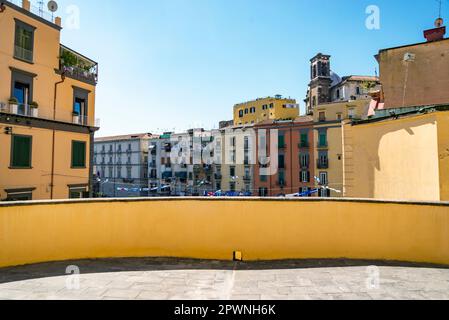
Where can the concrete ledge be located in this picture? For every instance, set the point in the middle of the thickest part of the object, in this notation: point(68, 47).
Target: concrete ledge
point(230, 199)
point(215, 228)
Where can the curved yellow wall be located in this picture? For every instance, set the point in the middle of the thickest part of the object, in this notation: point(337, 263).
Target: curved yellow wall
point(213, 229)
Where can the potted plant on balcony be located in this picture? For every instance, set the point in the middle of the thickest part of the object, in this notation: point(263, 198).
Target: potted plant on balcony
point(76, 117)
point(13, 105)
point(34, 109)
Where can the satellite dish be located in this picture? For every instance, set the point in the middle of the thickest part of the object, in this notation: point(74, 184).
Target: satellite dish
point(52, 6)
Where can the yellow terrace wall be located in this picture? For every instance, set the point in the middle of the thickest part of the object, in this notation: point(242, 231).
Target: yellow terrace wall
point(263, 229)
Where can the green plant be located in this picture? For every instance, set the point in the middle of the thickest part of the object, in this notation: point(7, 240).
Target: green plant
point(13, 100)
point(34, 104)
point(69, 59)
point(368, 85)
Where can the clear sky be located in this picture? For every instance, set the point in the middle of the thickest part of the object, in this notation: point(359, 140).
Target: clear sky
point(169, 65)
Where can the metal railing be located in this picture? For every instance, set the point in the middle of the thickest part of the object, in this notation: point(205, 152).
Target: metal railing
point(27, 110)
point(23, 54)
point(77, 66)
point(38, 11)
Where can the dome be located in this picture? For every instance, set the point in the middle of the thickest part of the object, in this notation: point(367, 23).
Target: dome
point(335, 78)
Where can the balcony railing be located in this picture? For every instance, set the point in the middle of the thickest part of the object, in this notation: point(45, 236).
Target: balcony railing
point(23, 54)
point(77, 66)
point(322, 144)
point(27, 110)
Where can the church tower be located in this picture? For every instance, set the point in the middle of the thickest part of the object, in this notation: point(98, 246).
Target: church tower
point(320, 82)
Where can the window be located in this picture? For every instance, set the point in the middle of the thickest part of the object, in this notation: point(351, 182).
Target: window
point(271, 105)
point(246, 111)
point(339, 116)
point(281, 161)
point(80, 99)
point(338, 94)
point(78, 193)
point(78, 154)
point(111, 172)
point(24, 195)
point(24, 41)
point(322, 142)
point(263, 178)
point(240, 113)
point(232, 186)
point(322, 116)
point(281, 141)
point(351, 113)
point(263, 192)
point(305, 176)
point(304, 159)
point(128, 172)
point(119, 172)
point(304, 139)
point(282, 178)
point(232, 171)
point(21, 150)
point(323, 178)
point(357, 90)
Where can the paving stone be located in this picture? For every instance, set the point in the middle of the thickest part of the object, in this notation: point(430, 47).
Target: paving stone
point(191, 280)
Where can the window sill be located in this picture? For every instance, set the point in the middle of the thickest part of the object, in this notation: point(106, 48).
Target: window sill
point(78, 168)
point(20, 168)
point(24, 60)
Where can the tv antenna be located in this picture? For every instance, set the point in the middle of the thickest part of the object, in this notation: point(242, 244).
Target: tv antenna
point(52, 7)
point(40, 4)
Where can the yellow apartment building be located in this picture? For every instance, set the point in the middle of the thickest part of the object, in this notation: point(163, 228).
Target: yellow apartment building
point(398, 157)
point(235, 172)
point(47, 109)
point(328, 119)
point(263, 109)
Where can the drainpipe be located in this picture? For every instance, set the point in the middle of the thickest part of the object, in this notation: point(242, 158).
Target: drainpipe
point(53, 138)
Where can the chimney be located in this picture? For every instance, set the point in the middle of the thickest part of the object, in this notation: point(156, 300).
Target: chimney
point(26, 5)
point(436, 33)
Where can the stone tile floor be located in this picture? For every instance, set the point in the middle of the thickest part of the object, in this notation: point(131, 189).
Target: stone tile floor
point(160, 279)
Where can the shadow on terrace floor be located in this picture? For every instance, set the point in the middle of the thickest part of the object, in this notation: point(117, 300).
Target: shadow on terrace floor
point(56, 269)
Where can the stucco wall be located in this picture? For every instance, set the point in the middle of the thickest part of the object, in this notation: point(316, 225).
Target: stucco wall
point(394, 159)
point(215, 228)
point(424, 81)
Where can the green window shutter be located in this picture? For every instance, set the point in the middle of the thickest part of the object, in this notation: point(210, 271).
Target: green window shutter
point(21, 152)
point(323, 139)
point(78, 154)
point(281, 141)
point(304, 139)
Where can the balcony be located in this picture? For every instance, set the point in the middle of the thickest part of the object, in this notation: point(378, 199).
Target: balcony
point(45, 113)
point(323, 164)
point(247, 178)
point(322, 145)
point(23, 54)
point(77, 66)
point(218, 176)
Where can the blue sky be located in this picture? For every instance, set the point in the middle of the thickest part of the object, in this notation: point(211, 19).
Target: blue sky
point(168, 65)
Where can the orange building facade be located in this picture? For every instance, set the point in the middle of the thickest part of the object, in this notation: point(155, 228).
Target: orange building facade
point(295, 165)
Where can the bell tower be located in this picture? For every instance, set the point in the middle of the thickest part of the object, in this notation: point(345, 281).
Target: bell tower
point(320, 82)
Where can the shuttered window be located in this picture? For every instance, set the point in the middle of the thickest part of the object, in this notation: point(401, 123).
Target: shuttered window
point(78, 154)
point(21, 151)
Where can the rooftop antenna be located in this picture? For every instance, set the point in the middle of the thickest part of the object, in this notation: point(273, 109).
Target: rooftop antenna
point(52, 7)
point(40, 4)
